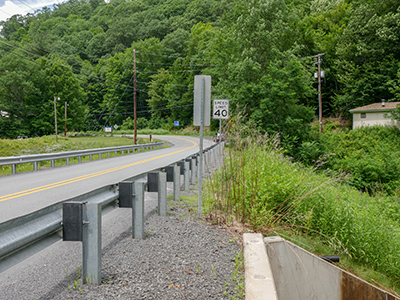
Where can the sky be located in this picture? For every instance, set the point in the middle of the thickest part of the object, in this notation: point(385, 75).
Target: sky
point(22, 7)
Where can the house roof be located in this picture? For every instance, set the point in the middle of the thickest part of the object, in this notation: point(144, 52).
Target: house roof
point(375, 107)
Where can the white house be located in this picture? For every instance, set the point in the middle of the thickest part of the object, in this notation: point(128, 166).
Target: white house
point(374, 114)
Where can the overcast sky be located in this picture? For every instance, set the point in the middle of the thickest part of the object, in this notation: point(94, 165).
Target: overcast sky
point(22, 7)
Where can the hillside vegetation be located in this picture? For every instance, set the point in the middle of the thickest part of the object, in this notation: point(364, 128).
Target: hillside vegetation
point(260, 54)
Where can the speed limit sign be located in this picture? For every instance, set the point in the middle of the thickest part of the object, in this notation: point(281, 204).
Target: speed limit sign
point(221, 109)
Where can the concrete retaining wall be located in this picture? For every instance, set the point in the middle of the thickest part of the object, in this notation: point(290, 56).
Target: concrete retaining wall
point(298, 274)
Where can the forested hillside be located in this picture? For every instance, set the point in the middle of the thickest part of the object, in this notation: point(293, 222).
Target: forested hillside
point(258, 52)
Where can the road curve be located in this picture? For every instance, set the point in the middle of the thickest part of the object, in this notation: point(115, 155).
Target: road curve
point(24, 193)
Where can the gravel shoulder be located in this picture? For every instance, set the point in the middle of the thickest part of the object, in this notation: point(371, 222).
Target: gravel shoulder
point(181, 257)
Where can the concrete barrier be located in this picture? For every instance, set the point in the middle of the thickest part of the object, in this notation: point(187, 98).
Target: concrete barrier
point(258, 276)
point(298, 274)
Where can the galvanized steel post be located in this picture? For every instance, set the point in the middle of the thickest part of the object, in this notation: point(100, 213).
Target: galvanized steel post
point(186, 175)
point(177, 182)
point(194, 169)
point(91, 246)
point(138, 210)
point(162, 193)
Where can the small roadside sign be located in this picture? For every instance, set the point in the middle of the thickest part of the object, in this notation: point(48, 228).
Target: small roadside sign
point(176, 123)
point(115, 126)
point(107, 129)
point(221, 109)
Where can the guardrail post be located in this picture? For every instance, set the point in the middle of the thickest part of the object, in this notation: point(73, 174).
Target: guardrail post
point(189, 161)
point(173, 175)
point(131, 195)
point(67, 161)
point(157, 182)
point(198, 167)
point(35, 166)
point(53, 163)
point(194, 169)
point(91, 245)
point(177, 182)
point(138, 210)
point(162, 193)
point(186, 175)
point(181, 165)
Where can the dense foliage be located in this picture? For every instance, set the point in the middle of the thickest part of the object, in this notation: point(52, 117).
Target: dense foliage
point(258, 52)
point(370, 156)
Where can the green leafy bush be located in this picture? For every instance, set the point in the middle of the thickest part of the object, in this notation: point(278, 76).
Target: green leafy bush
point(370, 154)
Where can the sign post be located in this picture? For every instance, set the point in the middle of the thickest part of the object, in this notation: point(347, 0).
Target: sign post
point(201, 117)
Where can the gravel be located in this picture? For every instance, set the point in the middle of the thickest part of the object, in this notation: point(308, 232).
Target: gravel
point(181, 257)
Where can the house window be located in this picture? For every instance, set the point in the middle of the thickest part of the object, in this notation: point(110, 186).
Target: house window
point(363, 115)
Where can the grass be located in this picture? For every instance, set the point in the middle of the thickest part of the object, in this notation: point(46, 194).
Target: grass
point(48, 144)
point(268, 193)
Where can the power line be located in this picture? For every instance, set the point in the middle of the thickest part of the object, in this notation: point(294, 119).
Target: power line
point(172, 65)
point(170, 71)
point(185, 85)
point(57, 63)
point(170, 56)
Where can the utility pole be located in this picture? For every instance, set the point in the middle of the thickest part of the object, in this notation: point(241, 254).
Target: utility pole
point(55, 116)
point(65, 126)
point(134, 95)
point(319, 89)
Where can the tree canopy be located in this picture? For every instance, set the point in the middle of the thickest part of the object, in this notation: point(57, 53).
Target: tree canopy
point(260, 54)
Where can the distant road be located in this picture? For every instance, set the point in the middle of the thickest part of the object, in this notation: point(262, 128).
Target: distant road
point(24, 193)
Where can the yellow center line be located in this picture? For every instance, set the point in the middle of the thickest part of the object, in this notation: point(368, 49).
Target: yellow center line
point(83, 177)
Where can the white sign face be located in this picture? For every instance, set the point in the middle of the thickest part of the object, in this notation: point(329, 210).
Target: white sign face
point(107, 129)
point(202, 81)
point(221, 109)
point(115, 126)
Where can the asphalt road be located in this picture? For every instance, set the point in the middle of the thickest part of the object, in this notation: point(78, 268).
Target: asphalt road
point(47, 272)
point(24, 193)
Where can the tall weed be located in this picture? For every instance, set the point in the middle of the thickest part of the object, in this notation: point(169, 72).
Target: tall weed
point(265, 190)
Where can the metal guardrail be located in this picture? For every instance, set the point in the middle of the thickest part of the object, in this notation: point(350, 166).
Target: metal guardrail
point(25, 230)
point(36, 158)
point(21, 232)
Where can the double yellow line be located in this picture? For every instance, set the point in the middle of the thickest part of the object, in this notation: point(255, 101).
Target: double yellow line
point(80, 178)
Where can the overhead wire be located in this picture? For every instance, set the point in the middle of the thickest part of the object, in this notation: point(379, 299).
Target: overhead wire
point(170, 56)
point(118, 84)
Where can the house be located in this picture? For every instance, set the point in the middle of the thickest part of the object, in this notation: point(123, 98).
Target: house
point(374, 114)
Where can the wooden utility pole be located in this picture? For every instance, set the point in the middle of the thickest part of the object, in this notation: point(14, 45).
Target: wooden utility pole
point(55, 116)
point(65, 125)
point(134, 95)
point(319, 89)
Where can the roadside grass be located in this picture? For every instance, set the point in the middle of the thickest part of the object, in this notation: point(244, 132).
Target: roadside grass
point(267, 192)
point(48, 144)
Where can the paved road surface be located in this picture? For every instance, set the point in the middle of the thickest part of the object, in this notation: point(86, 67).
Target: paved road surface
point(48, 269)
point(27, 192)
